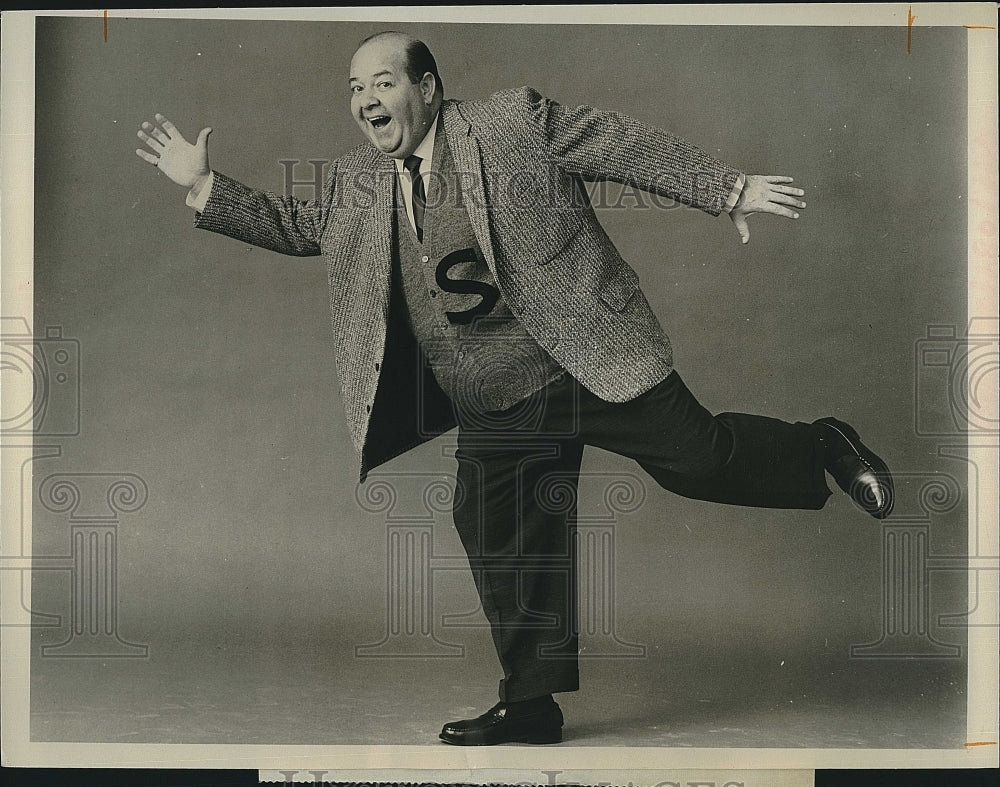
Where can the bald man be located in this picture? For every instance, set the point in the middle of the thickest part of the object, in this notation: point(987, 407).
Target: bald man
point(471, 284)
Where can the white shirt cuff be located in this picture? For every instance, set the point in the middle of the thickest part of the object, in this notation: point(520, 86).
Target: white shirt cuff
point(734, 195)
point(199, 200)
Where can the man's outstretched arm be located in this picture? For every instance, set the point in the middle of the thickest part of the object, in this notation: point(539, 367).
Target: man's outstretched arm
point(600, 144)
point(280, 223)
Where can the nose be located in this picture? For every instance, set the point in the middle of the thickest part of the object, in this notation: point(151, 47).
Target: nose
point(367, 99)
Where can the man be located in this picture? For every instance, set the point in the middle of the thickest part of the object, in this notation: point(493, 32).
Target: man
point(471, 283)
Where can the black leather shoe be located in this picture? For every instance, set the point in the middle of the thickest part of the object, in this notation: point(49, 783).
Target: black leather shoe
point(500, 725)
point(856, 469)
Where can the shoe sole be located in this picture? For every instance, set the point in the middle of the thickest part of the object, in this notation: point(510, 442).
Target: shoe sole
point(536, 738)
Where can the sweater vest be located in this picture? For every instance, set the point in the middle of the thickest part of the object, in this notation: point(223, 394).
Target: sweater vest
point(480, 355)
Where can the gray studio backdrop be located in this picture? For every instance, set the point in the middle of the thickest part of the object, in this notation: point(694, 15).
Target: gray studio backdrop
point(206, 367)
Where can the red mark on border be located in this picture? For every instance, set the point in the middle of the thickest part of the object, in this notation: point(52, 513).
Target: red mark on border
point(105, 25)
point(982, 743)
point(910, 18)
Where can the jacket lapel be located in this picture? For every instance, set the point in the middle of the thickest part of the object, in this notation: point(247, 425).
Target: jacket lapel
point(469, 166)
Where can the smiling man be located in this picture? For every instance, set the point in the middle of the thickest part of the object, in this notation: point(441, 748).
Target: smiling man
point(396, 93)
point(471, 283)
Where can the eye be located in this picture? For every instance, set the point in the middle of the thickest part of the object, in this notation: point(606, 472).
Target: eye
point(383, 84)
point(355, 88)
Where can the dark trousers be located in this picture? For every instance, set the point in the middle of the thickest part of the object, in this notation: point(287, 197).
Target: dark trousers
point(515, 504)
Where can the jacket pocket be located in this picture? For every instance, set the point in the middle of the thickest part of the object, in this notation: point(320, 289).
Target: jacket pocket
point(620, 289)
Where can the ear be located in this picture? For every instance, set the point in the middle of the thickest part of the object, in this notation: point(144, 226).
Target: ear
point(427, 86)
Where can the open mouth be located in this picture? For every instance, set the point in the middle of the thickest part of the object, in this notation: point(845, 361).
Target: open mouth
point(379, 121)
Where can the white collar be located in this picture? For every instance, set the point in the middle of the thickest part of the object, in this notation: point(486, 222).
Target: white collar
point(425, 150)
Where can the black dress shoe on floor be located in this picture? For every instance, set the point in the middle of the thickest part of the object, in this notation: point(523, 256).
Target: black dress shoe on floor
point(856, 469)
point(501, 724)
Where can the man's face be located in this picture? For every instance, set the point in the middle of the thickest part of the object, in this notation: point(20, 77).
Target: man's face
point(393, 113)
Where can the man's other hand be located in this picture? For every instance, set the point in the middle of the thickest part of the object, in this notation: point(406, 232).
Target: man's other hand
point(185, 164)
point(765, 194)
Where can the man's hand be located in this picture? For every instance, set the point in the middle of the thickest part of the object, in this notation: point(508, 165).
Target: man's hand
point(765, 194)
point(185, 164)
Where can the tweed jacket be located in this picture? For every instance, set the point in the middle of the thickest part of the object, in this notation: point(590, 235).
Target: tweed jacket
point(522, 161)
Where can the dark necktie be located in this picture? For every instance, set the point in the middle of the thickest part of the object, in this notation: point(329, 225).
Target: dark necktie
point(412, 164)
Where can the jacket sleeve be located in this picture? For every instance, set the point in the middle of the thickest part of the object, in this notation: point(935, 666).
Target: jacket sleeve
point(602, 145)
point(281, 223)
